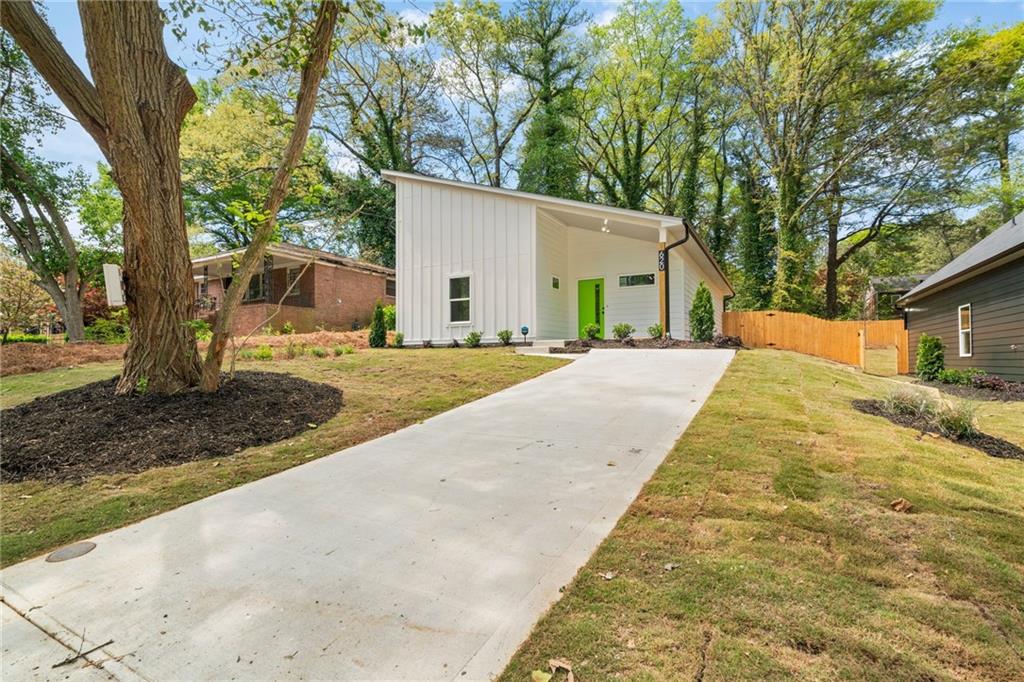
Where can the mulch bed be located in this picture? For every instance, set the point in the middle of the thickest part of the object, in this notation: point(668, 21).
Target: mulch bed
point(86, 431)
point(1014, 391)
point(586, 345)
point(990, 445)
point(25, 358)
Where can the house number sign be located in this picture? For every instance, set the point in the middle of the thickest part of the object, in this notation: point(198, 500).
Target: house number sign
point(662, 259)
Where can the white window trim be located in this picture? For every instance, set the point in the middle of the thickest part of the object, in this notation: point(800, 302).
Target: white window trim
point(449, 299)
point(618, 280)
point(961, 331)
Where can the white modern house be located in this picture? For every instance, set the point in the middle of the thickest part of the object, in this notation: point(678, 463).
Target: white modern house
point(474, 257)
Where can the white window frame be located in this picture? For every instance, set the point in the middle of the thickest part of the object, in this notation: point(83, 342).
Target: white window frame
point(468, 299)
point(618, 280)
point(969, 331)
point(556, 282)
point(297, 289)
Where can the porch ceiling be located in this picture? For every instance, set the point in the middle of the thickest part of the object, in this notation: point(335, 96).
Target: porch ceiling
point(635, 229)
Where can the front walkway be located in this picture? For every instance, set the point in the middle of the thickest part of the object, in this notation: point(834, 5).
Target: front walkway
point(425, 554)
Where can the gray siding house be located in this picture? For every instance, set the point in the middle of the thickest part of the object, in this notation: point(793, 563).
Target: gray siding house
point(975, 304)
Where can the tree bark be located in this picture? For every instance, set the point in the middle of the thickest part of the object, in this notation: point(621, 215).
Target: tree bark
point(134, 113)
point(833, 216)
point(309, 85)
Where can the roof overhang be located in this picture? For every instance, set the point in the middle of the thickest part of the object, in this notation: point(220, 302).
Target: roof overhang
point(285, 255)
point(653, 227)
point(981, 268)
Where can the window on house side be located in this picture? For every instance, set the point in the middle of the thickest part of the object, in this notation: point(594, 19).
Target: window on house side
point(458, 299)
point(389, 287)
point(255, 290)
point(293, 276)
point(641, 280)
point(966, 337)
point(555, 284)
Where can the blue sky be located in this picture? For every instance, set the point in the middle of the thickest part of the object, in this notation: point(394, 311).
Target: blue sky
point(73, 145)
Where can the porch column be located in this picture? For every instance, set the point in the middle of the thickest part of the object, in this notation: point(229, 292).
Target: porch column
point(662, 282)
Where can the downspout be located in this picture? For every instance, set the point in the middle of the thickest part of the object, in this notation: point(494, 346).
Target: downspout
point(663, 266)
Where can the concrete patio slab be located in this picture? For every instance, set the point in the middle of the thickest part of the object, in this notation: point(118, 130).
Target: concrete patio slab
point(426, 554)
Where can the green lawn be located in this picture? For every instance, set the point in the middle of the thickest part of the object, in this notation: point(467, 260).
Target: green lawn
point(764, 547)
point(384, 390)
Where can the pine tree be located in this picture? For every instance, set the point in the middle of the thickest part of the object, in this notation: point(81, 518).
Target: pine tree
point(378, 328)
point(702, 315)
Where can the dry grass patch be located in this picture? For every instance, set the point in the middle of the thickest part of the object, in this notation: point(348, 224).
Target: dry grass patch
point(764, 547)
point(384, 390)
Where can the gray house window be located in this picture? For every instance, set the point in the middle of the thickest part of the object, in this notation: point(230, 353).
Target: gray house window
point(458, 299)
point(643, 280)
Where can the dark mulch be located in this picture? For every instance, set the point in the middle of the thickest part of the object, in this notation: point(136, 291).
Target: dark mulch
point(586, 345)
point(88, 430)
point(1014, 391)
point(990, 445)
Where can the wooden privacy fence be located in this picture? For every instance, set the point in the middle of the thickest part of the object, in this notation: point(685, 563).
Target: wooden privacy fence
point(853, 342)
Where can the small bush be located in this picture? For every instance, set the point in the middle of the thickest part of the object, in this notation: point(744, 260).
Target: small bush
point(106, 330)
point(202, 328)
point(623, 330)
point(246, 354)
point(344, 350)
point(378, 330)
point(656, 331)
point(930, 358)
point(264, 352)
point(473, 339)
point(591, 332)
point(990, 382)
point(25, 338)
point(960, 377)
point(294, 350)
point(702, 315)
point(389, 317)
point(956, 420)
point(268, 330)
point(287, 328)
point(318, 352)
point(505, 336)
point(907, 401)
point(399, 339)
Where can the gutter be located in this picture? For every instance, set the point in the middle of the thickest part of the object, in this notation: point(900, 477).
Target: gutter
point(663, 261)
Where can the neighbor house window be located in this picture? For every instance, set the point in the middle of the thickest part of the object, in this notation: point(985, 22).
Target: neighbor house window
point(389, 287)
point(293, 278)
point(255, 290)
point(202, 287)
point(555, 284)
point(644, 280)
point(966, 339)
point(458, 299)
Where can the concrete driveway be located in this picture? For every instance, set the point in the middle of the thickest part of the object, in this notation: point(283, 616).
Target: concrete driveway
point(425, 554)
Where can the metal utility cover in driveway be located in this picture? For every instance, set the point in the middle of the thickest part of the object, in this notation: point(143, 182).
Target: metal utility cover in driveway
point(425, 554)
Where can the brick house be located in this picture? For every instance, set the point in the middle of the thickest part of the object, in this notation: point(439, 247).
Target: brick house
point(334, 293)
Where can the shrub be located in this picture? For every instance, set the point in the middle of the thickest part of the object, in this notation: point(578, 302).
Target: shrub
point(399, 339)
point(623, 330)
point(202, 328)
point(25, 338)
point(246, 354)
point(956, 420)
point(591, 331)
point(268, 330)
point(990, 382)
point(930, 359)
point(264, 352)
point(378, 330)
point(656, 331)
point(287, 328)
point(112, 329)
point(505, 336)
point(344, 350)
point(960, 377)
point(907, 401)
point(702, 315)
point(294, 350)
point(318, 352)
point(389, 317)
point(473, 339)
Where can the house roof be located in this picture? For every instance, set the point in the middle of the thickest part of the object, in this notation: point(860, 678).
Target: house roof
point(1005, 243)
point(285, 249)
point(654, 220)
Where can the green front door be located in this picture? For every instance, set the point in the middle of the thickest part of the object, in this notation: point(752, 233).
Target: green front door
point(591, 304)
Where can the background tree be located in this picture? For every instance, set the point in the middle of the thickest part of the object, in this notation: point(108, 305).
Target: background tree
point(546, 56)
point(21, 301)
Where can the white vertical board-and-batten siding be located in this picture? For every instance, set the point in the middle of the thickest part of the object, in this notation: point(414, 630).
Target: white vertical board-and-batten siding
point(443, 232)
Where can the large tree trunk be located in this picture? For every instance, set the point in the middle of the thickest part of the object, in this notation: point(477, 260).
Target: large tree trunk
point(133, 108)
point(309, 85)
point(145, 97)
point(789, 265)
point(833, 216)
point(1005, 182)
